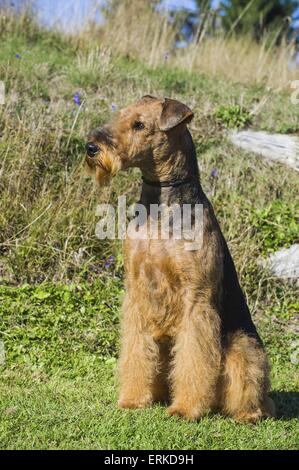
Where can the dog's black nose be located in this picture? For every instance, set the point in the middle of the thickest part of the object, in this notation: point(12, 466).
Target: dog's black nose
point(91, 149)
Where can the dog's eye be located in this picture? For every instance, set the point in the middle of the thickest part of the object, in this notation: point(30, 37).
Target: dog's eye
point(138, 125)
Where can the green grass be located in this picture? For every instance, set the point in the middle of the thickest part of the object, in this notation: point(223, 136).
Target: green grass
point(58, 388)
point(62, 413)
point(59, 304)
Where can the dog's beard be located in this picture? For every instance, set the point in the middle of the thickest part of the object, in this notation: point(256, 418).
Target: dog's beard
point(103, 167)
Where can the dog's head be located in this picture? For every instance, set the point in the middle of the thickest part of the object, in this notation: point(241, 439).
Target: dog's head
point(137, 136)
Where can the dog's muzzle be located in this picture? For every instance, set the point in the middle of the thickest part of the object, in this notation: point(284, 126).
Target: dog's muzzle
point(92, 149)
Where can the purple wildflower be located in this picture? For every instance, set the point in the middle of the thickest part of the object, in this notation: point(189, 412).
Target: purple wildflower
point(109, 262)
point(18, 56)
point(77, 98)
point(166, 55)
point(214, 172)
point(114, 107)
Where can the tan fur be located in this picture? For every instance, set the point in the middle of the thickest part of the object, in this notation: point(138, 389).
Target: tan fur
point(245, 376)
point(172, 342)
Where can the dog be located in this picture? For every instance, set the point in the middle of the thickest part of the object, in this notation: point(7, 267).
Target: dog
point(187, 337)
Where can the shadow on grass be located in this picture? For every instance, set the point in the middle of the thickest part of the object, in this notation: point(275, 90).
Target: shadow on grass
point(287, 404)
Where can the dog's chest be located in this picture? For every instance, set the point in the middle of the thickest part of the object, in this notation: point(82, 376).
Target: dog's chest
point(155, 280)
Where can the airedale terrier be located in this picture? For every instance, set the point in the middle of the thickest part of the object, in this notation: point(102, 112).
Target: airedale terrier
point(187, 333)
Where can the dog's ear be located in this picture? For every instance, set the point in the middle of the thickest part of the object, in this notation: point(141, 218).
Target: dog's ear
point(174, 113)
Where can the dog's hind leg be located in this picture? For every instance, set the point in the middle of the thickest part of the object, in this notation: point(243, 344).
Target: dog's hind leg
point(245, 382)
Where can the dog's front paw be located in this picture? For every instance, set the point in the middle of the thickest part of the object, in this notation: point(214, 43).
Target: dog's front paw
point(189, 413)
point(131, 402)
point(249, 417)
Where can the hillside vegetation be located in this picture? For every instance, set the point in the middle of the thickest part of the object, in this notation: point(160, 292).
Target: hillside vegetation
point(61, 287)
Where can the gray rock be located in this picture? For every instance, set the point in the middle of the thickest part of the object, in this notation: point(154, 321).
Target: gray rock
point(277, 147)
point(285, 263)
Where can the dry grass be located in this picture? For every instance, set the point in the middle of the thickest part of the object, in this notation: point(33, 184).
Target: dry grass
point(240, 59)
point(137, 31)
point(47, 218)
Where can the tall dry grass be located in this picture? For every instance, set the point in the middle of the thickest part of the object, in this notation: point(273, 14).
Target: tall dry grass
point(242, 60)
point(134, 28)
point(47, 203)
point(137, 30)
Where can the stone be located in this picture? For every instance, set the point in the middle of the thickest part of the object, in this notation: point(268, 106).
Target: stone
point(285, 263)
point(275, 147)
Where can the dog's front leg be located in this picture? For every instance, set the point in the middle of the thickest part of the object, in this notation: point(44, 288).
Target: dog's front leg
point(138, 361)
point(196, 362)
